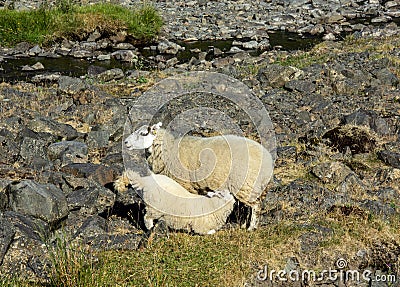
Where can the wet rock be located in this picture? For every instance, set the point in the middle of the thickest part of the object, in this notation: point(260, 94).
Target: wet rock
point(105, 57)
point(277, 76)
point(125, 56)
point(250, 45)
point(34, 67)
point(98, 172)
point(109, 75)
point(44, 201)
point(35, 50)
point(79, 54)
point(390, 158)
point(95, 70)
point(46, 78)
point(68, 152)
point(167, 47)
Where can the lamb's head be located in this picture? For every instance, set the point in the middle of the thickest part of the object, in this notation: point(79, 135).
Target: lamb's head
point(143, 137)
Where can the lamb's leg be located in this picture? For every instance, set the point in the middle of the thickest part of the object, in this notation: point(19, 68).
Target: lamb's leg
point(255, 209)
point(148, 222)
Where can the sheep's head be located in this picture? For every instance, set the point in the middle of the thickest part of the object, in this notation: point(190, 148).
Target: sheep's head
point(143, 137)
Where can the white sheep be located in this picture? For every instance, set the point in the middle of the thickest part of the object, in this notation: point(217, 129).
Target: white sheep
point(181, 210)
point(220, 163)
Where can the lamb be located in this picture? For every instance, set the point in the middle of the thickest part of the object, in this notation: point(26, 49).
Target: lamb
point(220, 163)
point(180, 209)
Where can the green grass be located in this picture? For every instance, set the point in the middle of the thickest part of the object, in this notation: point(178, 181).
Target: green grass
point(47, 24)
point(228, 258)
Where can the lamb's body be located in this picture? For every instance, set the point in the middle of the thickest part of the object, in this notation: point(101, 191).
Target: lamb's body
point(180, 209)
point(236, 164)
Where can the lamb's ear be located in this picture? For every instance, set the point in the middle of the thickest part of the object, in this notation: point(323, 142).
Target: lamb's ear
point(143, 130)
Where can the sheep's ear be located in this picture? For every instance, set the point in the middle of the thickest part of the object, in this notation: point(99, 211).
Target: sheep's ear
point(154, 128)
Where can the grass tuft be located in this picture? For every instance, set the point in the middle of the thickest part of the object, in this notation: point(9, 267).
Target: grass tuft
point(67, 20)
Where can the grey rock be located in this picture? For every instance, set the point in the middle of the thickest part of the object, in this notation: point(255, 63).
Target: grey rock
point(71, 85)
point(46, 78)
point(68, 152)
point(48, 125)
point(331, 172)
point(378, 208)
point(98, 172)
point(35, 67)
point(44, 201)
point(81, 53)
point(98, 139)
point(109, 75)
point(92, 200)
point(105, 57)
point(7, 233)
point(369, 119)
point(250, 45)
point(33, 152)
point(386, 77)
point(390, 158)
point(125, 46)
point(35, 50)
point(95, 70)
point(10, 146)
point(27, 226)
point(277, 76)
point(92, 226)
point(94, 36)
point(104, 241)
point(168, 47)
point(22, 48)
point(125, 56)
point(302, 86)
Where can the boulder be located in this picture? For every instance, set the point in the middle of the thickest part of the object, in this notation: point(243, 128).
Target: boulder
point(44, 201)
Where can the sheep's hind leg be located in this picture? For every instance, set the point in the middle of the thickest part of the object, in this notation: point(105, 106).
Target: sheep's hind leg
point(255, 209)
point(218, 193)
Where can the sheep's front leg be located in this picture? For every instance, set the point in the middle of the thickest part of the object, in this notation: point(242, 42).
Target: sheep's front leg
point(255, 210)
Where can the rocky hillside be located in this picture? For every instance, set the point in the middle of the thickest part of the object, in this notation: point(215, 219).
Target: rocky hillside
point(335, 110)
